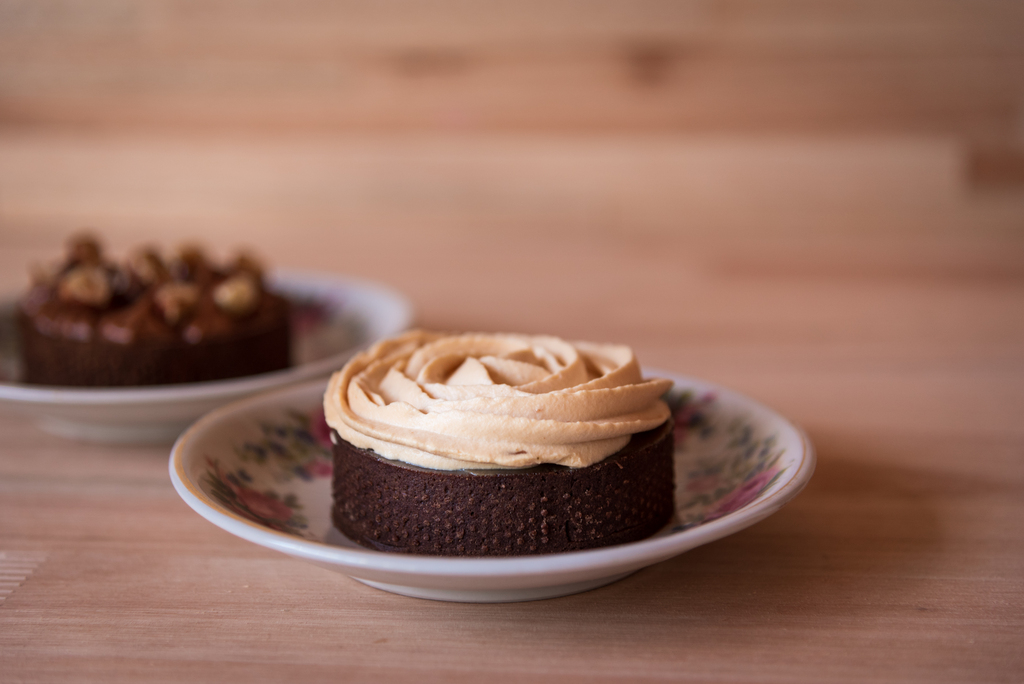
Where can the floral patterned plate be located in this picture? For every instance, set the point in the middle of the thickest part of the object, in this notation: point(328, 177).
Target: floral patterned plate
point(260, 468)
point(332, 317)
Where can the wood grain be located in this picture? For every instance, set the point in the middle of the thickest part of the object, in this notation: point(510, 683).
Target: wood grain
point(907, 66)
point(816, 203)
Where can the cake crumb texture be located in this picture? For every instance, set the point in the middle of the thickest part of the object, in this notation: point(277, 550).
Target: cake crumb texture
point(389, 506)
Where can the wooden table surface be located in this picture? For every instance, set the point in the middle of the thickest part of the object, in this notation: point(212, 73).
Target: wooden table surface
point(817, 204)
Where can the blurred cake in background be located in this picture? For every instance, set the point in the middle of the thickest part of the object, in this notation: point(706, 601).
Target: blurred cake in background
point(91, 321)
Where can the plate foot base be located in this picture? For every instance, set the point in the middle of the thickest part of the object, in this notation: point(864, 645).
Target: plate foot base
point(495, 595)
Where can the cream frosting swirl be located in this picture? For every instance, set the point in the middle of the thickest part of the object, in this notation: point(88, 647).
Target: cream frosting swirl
point(452, 402)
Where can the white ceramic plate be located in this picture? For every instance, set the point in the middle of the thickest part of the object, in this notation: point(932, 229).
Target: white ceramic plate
point(260, 469)
point(332, 318)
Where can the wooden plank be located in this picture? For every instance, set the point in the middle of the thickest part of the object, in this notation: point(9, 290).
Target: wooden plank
point(695, 186)
point(816, 203)
point(900, 67)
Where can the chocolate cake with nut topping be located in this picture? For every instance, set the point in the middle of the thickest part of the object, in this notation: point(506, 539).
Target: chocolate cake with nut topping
point(89, 321)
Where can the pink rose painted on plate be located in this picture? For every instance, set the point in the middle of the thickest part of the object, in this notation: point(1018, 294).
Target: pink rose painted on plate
point(269, 508)
point(263, 506)
point(743, 494)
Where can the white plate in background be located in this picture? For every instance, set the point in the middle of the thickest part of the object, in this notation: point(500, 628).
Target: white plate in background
point(333, 316)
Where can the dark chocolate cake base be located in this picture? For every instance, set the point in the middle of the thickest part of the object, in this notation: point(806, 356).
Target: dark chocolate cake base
point(391, 506)
point(96, 362)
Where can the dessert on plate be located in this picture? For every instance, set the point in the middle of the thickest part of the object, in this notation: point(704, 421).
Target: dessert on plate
point(498, 445)
point(89, 321)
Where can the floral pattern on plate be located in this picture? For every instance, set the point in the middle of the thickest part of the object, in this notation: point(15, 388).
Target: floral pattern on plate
point(294, 446)
point(235, 489)
point(722, 464)
point(732, 466)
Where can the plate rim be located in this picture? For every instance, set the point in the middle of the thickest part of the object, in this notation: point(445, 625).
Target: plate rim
point(353, 561)
point(400, 315)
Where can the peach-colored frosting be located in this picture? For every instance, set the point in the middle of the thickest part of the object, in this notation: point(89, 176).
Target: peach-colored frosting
point(450, 402)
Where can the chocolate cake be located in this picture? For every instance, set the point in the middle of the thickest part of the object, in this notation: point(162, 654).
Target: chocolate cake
point(390, 506)
point(92, 322)
point(498, 445)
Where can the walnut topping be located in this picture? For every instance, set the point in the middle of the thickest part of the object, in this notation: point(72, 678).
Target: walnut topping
point(245, 262)
point(190, 252)
point(122, 285)
point(86, 285)
point(238, 296)
point(147, 266)
point(176, 301)
point(84, 249)
point(189, 263)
